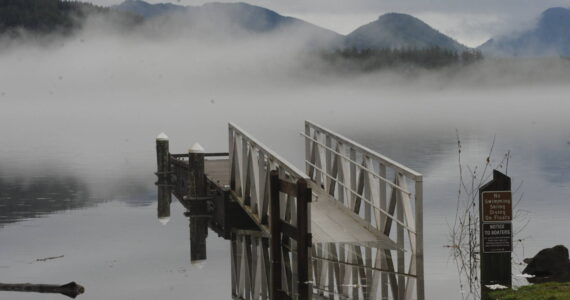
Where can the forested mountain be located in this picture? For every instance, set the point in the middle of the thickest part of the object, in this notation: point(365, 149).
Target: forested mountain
point(376, 59)
point(399, 31)
point(44, 16)
point(228, 20)
point(550, 37)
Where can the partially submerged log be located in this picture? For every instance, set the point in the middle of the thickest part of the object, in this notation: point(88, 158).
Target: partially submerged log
point(71, 289)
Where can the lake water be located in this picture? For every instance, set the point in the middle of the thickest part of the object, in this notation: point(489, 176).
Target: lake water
point(77, 157)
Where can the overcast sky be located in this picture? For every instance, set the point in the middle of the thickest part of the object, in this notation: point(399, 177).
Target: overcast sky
point(471, 22)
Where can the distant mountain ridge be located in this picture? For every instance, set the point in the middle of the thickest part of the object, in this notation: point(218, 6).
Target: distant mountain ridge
point(399, 31)
point(249, 17)
point(229, 20)
point(393, 30)
point(550, 37)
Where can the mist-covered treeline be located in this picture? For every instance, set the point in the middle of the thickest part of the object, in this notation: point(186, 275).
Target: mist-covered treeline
point(375, 59)
point(47, 16)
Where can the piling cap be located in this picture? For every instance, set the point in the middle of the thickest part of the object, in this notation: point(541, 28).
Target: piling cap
point(200, 263)
point(162, 137)
point(164, 220)
point(196, 148)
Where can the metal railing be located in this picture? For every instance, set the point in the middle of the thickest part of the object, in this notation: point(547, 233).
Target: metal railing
point(384, 194)
point(251, 163)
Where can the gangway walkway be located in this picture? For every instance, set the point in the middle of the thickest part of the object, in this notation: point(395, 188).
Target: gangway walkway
point(349, 227)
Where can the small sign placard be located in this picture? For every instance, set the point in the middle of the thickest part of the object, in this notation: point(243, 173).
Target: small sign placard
point(497, 237)
point(497, 206)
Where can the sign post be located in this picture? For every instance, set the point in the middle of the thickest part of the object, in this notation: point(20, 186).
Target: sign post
point(496, 234)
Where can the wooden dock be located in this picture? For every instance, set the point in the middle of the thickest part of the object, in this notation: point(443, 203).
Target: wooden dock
point(349, 227)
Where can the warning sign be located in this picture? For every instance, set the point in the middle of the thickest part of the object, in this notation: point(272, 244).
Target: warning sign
point(497, 206)
point(497, 237)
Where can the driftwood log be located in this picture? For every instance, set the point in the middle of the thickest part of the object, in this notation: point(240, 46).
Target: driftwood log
point(71, 289)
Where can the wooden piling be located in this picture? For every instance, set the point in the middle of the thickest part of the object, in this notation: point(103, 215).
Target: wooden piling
point(162, 156)
point(197, 189)
point(163, 205)
point(163, 173)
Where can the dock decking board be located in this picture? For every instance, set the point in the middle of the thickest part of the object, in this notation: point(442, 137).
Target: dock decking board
point(218, 171)
point(329, 222)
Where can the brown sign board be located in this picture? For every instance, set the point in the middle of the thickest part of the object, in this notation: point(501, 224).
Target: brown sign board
point(497, 237)
point(497, 206)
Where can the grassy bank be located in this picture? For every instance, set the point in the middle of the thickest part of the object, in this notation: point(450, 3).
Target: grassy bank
point(545, 291)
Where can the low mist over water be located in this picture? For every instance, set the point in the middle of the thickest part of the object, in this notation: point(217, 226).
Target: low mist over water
point(79, 117)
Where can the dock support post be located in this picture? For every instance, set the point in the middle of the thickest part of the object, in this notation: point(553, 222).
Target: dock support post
point(275, 219)
point(163, 173)
point(197, 189)
point(303, 240)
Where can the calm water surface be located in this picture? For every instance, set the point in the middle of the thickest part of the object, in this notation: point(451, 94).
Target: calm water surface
point(77, 163)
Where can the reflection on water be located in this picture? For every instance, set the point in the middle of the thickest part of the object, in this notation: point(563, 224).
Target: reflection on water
point(112, 244)
point(99, 125)
point(24, 198)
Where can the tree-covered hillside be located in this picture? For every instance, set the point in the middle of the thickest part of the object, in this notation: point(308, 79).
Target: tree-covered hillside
point(44, 16)
point(375, 59)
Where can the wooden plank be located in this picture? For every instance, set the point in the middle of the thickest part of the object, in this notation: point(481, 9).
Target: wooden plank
point(288, 188)
point(218, 171)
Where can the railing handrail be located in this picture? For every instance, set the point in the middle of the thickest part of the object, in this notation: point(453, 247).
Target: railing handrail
point(367, 151)
point(207, 154)
point(348, 159)
point(290, 168)
point(353, 192)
